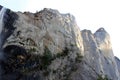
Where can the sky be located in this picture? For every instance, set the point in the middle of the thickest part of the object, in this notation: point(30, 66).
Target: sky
point(89, 14)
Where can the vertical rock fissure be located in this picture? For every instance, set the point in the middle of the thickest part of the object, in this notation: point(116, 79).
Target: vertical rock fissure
point(91, 68)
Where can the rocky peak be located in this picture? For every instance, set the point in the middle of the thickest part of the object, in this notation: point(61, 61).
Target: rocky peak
point(102, 36)
point(48, 45)
point(56, 30)
point(103, 41)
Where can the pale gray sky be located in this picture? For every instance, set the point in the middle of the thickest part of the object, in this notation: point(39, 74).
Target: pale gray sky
point(90, 14)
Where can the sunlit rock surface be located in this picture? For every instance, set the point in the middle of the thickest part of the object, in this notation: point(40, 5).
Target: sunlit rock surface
point(48, 45)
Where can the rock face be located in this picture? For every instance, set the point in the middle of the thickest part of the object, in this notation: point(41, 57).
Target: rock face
point(47, 45)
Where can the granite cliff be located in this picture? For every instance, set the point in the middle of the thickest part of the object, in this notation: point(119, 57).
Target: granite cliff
point(47, 45)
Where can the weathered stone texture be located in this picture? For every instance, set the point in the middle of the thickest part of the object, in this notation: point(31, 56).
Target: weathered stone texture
point(47, 45)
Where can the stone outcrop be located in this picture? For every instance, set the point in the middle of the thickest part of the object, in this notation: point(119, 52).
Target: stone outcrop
point(47, 45)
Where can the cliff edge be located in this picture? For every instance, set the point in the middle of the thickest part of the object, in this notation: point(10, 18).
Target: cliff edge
point(48, 45)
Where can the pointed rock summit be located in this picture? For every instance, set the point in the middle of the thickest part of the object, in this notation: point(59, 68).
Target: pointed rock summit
point(102, 37)
point(103, 42)
point(48, 45)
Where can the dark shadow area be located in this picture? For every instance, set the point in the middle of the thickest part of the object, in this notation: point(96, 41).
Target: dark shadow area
point(8, 22)
point(14, 60)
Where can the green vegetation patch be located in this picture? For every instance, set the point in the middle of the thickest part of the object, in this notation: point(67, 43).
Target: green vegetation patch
point(102, 78)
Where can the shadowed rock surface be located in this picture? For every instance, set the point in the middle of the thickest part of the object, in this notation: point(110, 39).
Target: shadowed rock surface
point(47, 45)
